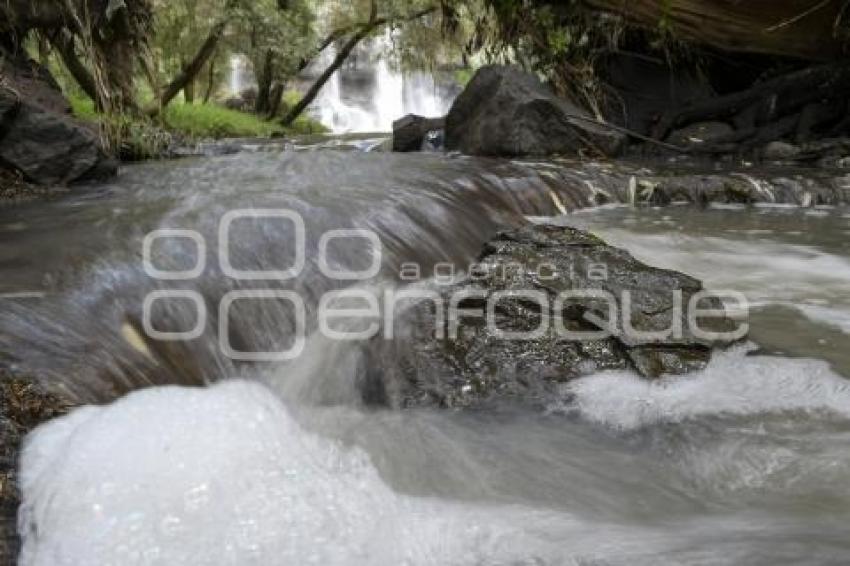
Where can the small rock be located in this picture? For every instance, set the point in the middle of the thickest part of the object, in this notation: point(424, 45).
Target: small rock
point(780, 151)
point(413, 133)
point(700, 133)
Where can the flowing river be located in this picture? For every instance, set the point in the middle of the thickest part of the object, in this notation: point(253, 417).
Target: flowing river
point(746, 462)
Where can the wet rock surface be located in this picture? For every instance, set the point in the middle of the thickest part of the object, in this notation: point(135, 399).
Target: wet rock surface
point(412, 132)
point(506, 111)
point(470, 361)
point(582, 184)
point(14, 189)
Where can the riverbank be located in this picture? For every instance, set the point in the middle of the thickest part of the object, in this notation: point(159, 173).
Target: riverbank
point(24, 405)
point(184, 126)
point(15, 189)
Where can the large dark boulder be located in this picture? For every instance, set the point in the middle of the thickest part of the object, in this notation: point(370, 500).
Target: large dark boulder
point(33, 83)
point(48, 148)
point(479, 364)
point(412, 132)
point(505, 111)
point(38, 136)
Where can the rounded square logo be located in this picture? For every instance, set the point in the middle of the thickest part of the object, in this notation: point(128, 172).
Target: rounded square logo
point(299, 245)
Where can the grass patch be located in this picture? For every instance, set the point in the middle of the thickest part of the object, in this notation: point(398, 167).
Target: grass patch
point(204, 121)
point(211, 121)
point(83, 108)
point(131, 139)
point(464, 76)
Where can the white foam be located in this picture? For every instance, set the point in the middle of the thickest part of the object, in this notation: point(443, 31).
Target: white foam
point(733, 384)
point(765, 271)
point(225, 476)
point(829, 315)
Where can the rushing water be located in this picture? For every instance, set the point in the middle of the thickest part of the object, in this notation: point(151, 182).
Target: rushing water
point(747, 462)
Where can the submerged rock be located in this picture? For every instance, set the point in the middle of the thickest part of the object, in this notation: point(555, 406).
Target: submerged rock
point(414, 133)
point(506, 111)
point(596, 308)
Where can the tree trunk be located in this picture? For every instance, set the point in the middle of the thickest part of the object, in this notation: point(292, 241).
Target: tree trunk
point(43, 51)
point(17, 15)
point(64, 44)
point(120, 70)
point(210, 81)
point(264, 83)
point(785, 93)
point(316, 88)
point(189, 91)
point(343, 54)
point(806, 29)
point(191, 70)
point(275, 100)
point(115, 63)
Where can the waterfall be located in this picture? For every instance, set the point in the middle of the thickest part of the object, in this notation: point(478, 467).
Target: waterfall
point(389, 96)
point(332, 111)
point(235, 75)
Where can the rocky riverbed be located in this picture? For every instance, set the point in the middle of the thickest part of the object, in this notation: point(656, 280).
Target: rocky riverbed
point(481, 366)
point(23, 406)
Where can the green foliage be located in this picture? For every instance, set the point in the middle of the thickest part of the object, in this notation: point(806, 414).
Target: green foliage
point(305, 126)
point(564, 41)
point(274, 36)
point(463, 76)
point(134, 138)
point(181, 28)
point(83, 108)
point(283, 31)
point(142, 139)
point(213, 121)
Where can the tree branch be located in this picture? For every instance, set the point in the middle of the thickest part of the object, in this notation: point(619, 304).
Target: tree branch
point(63, 42)
point(190, 71)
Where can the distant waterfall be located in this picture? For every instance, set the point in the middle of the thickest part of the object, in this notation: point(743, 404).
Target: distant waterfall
point(236, 80)
point(388, 96)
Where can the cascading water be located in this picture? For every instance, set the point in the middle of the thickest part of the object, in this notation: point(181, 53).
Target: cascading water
point(393, 95)
point(236, 81)
point(389, 95)
point(744, 463)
